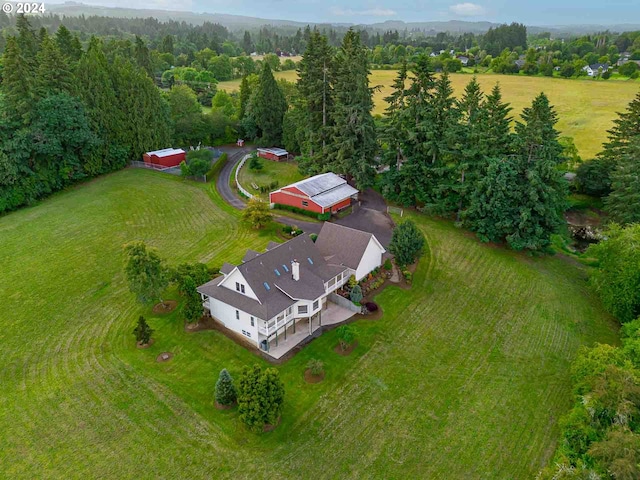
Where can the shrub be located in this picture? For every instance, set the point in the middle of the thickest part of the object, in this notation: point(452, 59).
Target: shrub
point(324, 216)
point(260, 397)
point(371, 306)
point(142, 331)
point(254, 162)
point(315, 366)
point(290, 208)
point(225, 391)
point(313, 237)
point(356, 294)
point(346, 336)
point(406, 243)
point(407, 275)
point(352, 281)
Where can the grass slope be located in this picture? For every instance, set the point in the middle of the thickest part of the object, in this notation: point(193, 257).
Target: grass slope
point(285, 173)
point(464, 377)
point(586, 108)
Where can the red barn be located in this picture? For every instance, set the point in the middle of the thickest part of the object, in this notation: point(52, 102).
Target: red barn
point(323, 193)
point(275, 154)
point(168, 157)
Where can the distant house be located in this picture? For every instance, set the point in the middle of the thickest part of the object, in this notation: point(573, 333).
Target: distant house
point(464, 60)
point(624, 58)
point(322, 193)
point(288, 290)
point(167, 157)
point(596, 68)
point(275, 154)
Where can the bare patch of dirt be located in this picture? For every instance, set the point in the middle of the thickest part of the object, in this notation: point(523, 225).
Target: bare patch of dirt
point(271, 428)
point(205, 323)
point(311, 378)
point(167, 306)
point(582, 218)
point(164, 357)
point(225, 407)
point(142, 346)
point(345, 353)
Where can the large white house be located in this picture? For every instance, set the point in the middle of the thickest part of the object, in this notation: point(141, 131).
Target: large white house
point(287, 287)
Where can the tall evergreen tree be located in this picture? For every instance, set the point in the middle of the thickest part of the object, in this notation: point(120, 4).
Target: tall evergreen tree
point(18, 83)
point(268, 108)
point(167, 45)
point(314, 85)
point(496, 137)
point(142, 56)
point(471, 156)
point(625, 128)
point(53, 75)
point(623, 203)
point(353, 141)
point(68, 44)
point(26, 39)
point(245, 95)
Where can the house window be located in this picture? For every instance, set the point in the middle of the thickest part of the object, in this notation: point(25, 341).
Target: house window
point(332, 282)
point(242, 288)
point(237, 315)
point(237, 287)
point(246, 334)
point(252, 322)
point(305, 203)
point(302, 309)
point(315, 305)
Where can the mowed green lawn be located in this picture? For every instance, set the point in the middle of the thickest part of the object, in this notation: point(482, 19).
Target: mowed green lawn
point(586, 108)
point(285, 173)
point(465, 376)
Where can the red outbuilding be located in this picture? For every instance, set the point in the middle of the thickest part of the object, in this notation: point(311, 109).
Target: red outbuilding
point(275, 154)
point(323, 193)
point(168, 157)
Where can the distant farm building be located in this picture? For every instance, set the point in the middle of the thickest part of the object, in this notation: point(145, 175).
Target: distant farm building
point(275, 154)
point(323, 193)
point(167, 157)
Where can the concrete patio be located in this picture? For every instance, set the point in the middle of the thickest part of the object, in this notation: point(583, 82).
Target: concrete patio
point(331, 315)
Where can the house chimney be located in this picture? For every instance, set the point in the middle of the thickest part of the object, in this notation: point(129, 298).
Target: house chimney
point(295, 270)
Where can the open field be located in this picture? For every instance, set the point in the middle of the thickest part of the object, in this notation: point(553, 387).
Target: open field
point(284, 173)
point(585, 108)
point(465, 375)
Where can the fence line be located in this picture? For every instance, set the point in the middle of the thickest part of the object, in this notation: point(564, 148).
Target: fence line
point(396, 210)
point(240, 165)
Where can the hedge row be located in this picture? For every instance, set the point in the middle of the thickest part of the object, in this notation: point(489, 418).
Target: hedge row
point(216, 167)
point(320, 216)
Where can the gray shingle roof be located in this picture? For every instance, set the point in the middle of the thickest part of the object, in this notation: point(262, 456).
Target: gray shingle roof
point(277, 303)
point(342, 245)
point(272, 245)
point(227, 268)
point(250, 255)
point(273, 268)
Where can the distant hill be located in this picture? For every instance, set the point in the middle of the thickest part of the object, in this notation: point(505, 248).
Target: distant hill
point(240, 22)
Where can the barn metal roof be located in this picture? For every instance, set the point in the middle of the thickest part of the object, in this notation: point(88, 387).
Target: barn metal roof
point(166, 152)
point(275, 151)
point(325, 189)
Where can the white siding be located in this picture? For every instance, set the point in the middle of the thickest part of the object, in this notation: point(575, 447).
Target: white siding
point(371, 259)
point(230, 283)
point(227, 315)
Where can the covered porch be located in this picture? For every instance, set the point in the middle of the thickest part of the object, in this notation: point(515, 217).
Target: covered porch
point(285, 339)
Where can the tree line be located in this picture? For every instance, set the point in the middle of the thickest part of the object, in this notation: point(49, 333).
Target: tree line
point(68, 114)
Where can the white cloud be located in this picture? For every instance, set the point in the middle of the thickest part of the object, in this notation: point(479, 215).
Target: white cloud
point(467, 9)
point(373, 12)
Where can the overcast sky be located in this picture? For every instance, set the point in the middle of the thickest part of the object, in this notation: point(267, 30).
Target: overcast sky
point(538, 12)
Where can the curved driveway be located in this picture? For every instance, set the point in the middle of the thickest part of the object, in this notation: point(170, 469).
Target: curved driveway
point(234, 155)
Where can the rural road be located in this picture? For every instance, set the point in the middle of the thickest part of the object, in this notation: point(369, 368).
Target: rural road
point(234, 155)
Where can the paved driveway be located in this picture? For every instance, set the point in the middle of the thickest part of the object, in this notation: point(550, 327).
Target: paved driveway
point(234, 155)
point(371, 217)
